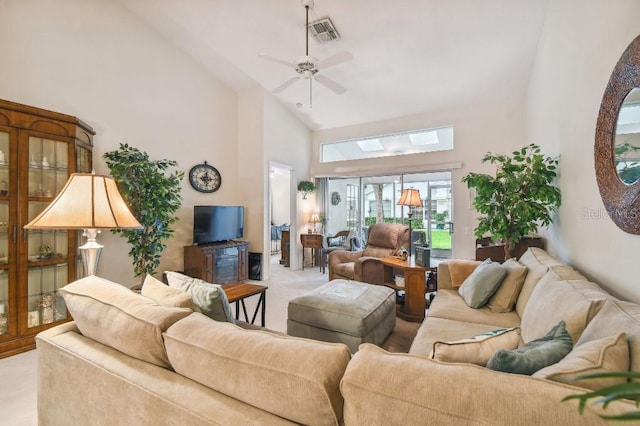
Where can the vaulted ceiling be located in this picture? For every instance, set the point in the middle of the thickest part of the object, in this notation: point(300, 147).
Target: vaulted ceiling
point(409, 56)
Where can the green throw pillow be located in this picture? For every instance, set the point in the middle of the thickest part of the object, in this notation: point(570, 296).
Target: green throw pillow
point(210, 298)
point(536, 354)
point(482, 283)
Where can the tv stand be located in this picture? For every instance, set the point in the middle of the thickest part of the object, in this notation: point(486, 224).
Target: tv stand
point(218, 263)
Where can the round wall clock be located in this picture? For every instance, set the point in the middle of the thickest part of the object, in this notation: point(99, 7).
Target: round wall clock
point(205, 178)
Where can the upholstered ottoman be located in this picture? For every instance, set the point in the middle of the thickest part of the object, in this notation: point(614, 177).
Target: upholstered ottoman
point(344, 311)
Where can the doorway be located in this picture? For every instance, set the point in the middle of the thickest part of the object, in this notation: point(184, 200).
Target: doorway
point(281, 214)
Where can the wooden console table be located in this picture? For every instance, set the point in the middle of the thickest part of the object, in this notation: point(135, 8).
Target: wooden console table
point(237, 292)
point(313, 242)
point(414, 286)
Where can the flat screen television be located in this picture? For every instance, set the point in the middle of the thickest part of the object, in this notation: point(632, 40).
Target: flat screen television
point(217, 223)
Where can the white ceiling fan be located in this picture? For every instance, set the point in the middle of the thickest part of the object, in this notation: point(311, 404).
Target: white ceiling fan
point(308, 67)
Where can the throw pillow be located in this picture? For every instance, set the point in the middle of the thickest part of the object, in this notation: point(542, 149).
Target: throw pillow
point(478, 349)
point(482, 283)
point(165, 295)
point(607, 355)
point(535, 355)
point(210, 298)
point(505, 297)
point(459, 270)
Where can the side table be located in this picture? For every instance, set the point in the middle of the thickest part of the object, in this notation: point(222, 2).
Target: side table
point(237, 292)
point(313, 242)
point(414, 304)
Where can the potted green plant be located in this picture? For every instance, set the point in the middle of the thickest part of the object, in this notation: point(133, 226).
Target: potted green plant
point(152, 191)
point(306, 187)
point(518, 199)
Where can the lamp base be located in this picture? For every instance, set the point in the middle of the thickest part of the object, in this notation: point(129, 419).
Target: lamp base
point(91, 251)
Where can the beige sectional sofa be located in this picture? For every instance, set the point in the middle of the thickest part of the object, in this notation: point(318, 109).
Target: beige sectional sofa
point(198, 371)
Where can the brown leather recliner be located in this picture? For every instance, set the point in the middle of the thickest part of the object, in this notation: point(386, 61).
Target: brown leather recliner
point(385, 239)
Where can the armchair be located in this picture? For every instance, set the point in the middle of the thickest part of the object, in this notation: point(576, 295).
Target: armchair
point(339, 241)
point(385, 239)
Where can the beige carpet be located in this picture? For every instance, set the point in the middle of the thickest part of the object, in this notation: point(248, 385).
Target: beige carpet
point(18, 373)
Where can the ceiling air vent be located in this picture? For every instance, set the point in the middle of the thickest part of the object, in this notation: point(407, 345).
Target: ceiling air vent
point(323, 30)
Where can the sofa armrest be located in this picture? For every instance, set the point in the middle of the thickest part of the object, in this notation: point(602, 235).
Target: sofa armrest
point(421, 390)
point(368, 269)
point(343, 256)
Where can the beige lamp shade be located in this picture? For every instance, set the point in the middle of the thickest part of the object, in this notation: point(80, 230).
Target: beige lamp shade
point(315, 218)
point(410, 197)
point(86, 201)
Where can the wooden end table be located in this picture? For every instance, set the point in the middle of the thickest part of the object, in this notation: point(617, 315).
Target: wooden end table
point(414, 304)
point(313, 242)
point(237, 292)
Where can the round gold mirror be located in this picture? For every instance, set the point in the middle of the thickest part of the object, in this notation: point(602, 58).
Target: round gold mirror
point(617, 144)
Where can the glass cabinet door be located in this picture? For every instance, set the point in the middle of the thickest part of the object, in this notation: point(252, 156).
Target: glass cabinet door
point(5, 305)
point(47, 250)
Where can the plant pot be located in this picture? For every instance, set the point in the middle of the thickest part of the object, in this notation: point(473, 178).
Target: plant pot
point(495, 252)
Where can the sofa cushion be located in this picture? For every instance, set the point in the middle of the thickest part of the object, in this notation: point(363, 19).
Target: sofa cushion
point(115, 316)
point(615, 317)
point(537, 263)
point(606, 355)
point(482, 283)
point(505, 297)
point(209, 298)
point(534, 355)
point(294, 378)
point(165, 295)
point(449, 305)
point(459, 270)
point(478, 349)
point(553, 300)
point(445, 330)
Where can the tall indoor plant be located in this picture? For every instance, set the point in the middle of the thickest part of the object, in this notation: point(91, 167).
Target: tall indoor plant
point(152, 190)
point(518, 199)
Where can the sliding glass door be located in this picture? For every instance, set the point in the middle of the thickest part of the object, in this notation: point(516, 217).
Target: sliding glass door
point(357, 203)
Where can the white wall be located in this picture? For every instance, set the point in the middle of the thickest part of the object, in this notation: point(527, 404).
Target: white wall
point(497, 127)
point(287, 141)
point(581, 43)
point(268, 133)
point(97, 61)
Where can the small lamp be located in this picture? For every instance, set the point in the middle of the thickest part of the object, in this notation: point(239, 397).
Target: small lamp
point(411, 198)
point(89, 202)
point(315, 218)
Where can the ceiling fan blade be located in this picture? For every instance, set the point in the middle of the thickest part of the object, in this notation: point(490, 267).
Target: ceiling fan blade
point(330, 84)
point(332, 60)
point(277, 60)
point(285, 85)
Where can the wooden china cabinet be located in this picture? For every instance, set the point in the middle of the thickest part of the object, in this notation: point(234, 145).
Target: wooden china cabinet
point(39, 149)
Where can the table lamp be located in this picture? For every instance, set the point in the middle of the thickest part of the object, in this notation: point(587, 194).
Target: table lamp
point(411, 198)
point(89, 202)
point(315, 218)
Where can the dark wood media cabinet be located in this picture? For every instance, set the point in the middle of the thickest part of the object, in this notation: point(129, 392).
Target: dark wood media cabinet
point(219, 263)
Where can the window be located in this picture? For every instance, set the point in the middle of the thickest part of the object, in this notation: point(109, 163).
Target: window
point(419, 141)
